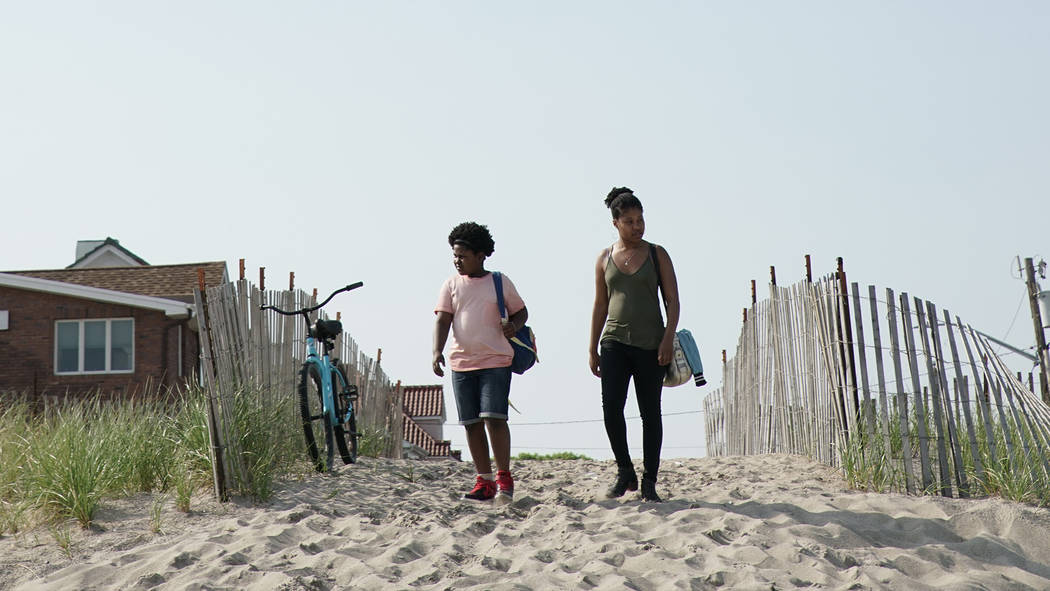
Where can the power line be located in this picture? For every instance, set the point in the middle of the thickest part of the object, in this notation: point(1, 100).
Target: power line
point(1023, 296)
point(668, 414)
point(606, 448)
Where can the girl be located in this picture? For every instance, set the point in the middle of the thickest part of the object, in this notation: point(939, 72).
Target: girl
point(629, 338)
point(480, 355)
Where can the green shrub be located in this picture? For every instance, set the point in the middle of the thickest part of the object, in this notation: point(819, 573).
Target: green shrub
point(561, 455)
point(372, 442)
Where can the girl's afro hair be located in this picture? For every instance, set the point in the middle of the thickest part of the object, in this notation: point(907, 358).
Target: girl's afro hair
point(474, 236)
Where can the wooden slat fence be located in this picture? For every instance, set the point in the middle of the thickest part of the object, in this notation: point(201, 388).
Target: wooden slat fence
point(245, 349)
point(900, 391)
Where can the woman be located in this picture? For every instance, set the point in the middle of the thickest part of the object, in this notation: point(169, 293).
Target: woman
point(629, 338)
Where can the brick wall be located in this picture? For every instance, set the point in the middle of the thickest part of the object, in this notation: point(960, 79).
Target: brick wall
point(27, 348)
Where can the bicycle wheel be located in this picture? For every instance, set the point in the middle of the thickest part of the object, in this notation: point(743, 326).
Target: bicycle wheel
point(315, 425)
point(347, 425)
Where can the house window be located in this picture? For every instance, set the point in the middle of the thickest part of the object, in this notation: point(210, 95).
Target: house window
point(94, 346)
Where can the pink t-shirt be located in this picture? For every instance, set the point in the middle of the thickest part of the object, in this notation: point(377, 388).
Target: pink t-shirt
point(477, 334)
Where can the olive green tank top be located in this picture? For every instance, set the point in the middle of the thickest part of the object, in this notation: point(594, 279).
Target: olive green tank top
point(634, 306)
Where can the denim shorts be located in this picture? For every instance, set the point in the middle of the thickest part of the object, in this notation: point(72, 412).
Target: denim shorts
point(481, 394)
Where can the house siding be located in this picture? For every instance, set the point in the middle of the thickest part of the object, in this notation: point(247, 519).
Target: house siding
point(27, 347)
point(434, 426)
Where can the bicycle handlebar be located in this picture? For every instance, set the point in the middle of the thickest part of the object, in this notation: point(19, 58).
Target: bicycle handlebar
point(318, 306)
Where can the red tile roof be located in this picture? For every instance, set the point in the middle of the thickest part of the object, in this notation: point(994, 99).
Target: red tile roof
point(415, 435)
point(163, 281)
point(424, 401)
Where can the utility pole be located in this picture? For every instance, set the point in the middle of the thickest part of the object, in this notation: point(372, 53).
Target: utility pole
point(1040, 337)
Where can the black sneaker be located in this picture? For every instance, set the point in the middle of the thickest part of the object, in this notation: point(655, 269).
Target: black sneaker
point(625, 480)
point(649, 491)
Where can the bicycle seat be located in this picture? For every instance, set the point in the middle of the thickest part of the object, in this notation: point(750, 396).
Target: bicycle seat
point(328, 329)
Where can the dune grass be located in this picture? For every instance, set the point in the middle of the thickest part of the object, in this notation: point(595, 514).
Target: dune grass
point(1015, 472)
point(561, 455)
point(59, 463)
point(372, 442)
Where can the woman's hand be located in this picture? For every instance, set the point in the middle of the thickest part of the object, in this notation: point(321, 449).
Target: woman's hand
point(596, 368)
point(666, 351)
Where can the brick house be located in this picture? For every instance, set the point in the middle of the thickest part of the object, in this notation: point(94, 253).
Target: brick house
point(109, 322)
point(423, 422)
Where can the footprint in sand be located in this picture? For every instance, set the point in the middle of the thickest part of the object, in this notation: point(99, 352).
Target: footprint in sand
point(570, 501)
point(297, 516)
point(481, 528)
point(500, 564)
point(720, 537)
point(150, 581)
point(841, 560)
point(739, 495)
point(235, 559)
point(427, 579)
point(544, 556)
point(183, 560)
point(405, 554)
point(311, 548)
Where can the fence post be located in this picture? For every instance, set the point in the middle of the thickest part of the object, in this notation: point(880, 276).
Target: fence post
point(1040, 335)
point(218, 473)
point(847, 341)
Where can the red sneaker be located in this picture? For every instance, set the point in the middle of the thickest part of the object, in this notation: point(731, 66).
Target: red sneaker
point(505, 484)
point(483, 490)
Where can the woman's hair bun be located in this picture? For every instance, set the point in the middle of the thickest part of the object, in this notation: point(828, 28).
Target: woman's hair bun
point(616, 192)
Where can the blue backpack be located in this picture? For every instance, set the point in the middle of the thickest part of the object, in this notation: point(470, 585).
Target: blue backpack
point(523, 341)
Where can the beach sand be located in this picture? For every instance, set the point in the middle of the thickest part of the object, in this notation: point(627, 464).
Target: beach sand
point(757, 522)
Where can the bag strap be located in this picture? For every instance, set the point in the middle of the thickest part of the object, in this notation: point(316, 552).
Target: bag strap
point(497, 278)
point(656, 265)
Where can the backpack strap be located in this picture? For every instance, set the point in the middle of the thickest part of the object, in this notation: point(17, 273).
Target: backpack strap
point(497, 278)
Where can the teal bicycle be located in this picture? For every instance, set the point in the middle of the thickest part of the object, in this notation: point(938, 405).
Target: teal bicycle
point(326, 399)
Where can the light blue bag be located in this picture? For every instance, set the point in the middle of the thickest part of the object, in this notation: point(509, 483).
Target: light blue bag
point(692, 355)
point(684, 342)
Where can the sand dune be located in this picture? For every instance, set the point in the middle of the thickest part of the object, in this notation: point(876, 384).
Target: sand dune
point(761, 522)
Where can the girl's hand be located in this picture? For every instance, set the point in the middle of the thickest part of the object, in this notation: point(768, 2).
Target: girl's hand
point(508, 329)
point(666, 351)
point(595, 366)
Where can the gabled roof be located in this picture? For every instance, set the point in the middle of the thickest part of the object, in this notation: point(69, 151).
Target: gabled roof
point(170, 307)
point(424, 401)
point(415, 435)
point(90, 250)
point(162, 281)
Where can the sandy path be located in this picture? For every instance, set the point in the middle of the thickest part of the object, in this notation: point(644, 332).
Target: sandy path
point(762, 522)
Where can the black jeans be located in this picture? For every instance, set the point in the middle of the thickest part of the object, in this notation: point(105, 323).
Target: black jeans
point(619, 363)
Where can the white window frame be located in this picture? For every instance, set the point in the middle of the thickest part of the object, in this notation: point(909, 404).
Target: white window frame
point(80, 346)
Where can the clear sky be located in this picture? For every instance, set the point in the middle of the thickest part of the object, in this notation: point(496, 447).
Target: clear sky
point(343, 140)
